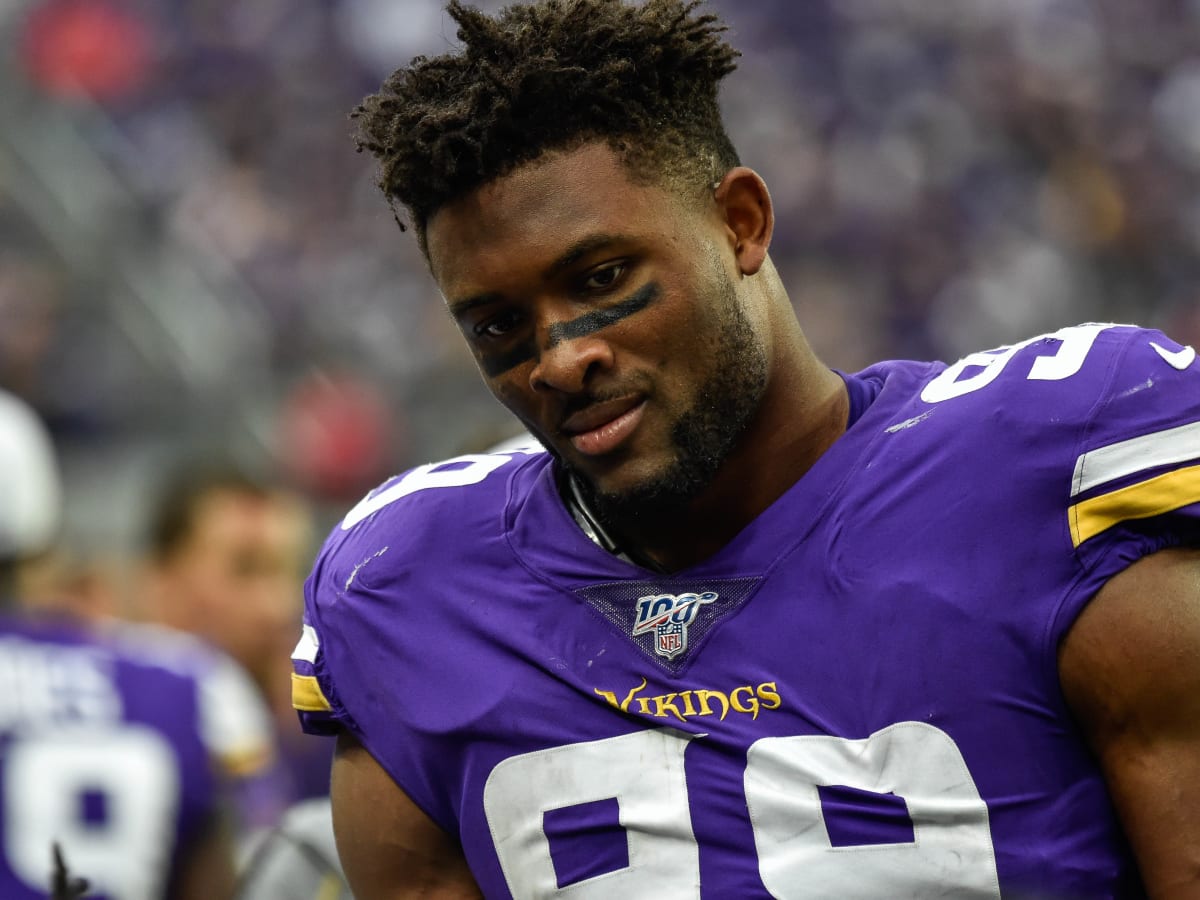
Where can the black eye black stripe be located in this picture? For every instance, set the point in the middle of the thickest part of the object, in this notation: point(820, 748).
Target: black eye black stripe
point(590, 323)
point(496, 364)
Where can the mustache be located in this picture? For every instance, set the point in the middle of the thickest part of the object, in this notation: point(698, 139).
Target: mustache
point(581, 402)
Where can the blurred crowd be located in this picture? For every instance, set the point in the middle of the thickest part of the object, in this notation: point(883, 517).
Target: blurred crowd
point(193, 259)
point(954, 174)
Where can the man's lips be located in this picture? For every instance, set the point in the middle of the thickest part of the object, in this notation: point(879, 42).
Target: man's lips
point(594, 415)
point(602, 427)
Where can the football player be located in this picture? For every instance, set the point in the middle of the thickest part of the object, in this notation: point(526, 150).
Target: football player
point(107, 742)
point(749, 627)
point(225, 561)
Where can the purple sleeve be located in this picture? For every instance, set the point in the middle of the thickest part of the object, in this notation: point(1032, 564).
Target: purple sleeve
point(1136, 483)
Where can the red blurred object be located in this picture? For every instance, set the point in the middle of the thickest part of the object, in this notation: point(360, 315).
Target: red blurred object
point(86, 48)
point(335, 434)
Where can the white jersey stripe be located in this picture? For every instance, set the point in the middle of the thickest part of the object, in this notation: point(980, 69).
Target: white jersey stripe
point(1163, 448)
point(306, 650)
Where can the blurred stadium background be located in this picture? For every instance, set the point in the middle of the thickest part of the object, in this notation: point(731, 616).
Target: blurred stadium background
point(193, 258)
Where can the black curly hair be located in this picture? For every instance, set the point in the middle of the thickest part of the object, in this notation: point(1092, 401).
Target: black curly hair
point(551, 75)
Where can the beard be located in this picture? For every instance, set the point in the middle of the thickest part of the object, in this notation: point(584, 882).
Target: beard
point(705, 434)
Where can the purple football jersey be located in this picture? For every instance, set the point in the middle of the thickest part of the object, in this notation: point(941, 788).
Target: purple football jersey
point(857, 697)
point(101, 752)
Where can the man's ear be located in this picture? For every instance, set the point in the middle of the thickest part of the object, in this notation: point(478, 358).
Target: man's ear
point(745, 205)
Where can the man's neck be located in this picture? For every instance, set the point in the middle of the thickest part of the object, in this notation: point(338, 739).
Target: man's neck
point(775, 453)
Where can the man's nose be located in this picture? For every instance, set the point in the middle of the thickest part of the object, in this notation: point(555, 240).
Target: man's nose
point(566, 364)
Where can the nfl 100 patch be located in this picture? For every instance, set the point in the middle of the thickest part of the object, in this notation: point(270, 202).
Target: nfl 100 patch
point(668, 620)
point(668, 616)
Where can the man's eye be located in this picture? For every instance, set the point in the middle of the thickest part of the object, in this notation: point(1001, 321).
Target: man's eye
point(498, 326)
point(604, 278)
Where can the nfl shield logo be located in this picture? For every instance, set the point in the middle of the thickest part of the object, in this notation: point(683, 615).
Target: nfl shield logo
point(668, 616)
point(669, 640)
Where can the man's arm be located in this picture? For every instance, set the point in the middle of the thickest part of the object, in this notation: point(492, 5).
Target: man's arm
point(389, 848)
point(1130, 670)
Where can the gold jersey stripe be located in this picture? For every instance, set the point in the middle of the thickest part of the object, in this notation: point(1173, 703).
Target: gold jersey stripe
point(307, 696)
point(1153, 497)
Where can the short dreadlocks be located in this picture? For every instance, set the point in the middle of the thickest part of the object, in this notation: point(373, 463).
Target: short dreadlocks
point(549, 75)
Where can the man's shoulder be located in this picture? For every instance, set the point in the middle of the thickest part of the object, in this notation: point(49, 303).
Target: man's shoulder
point(145, 650)
point(159, 646)
point(1117, 375)
point(1069, 362)
point(98, 679)
point(1062, 409)
point(231, 717)
point(1096, 427)
point(383, 573)
point(430, 513)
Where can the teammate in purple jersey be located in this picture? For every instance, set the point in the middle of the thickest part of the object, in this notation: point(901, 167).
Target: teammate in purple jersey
point(103, 754)
point(750, 628)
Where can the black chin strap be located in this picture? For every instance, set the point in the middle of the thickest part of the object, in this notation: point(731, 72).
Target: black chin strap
point(589, 524)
